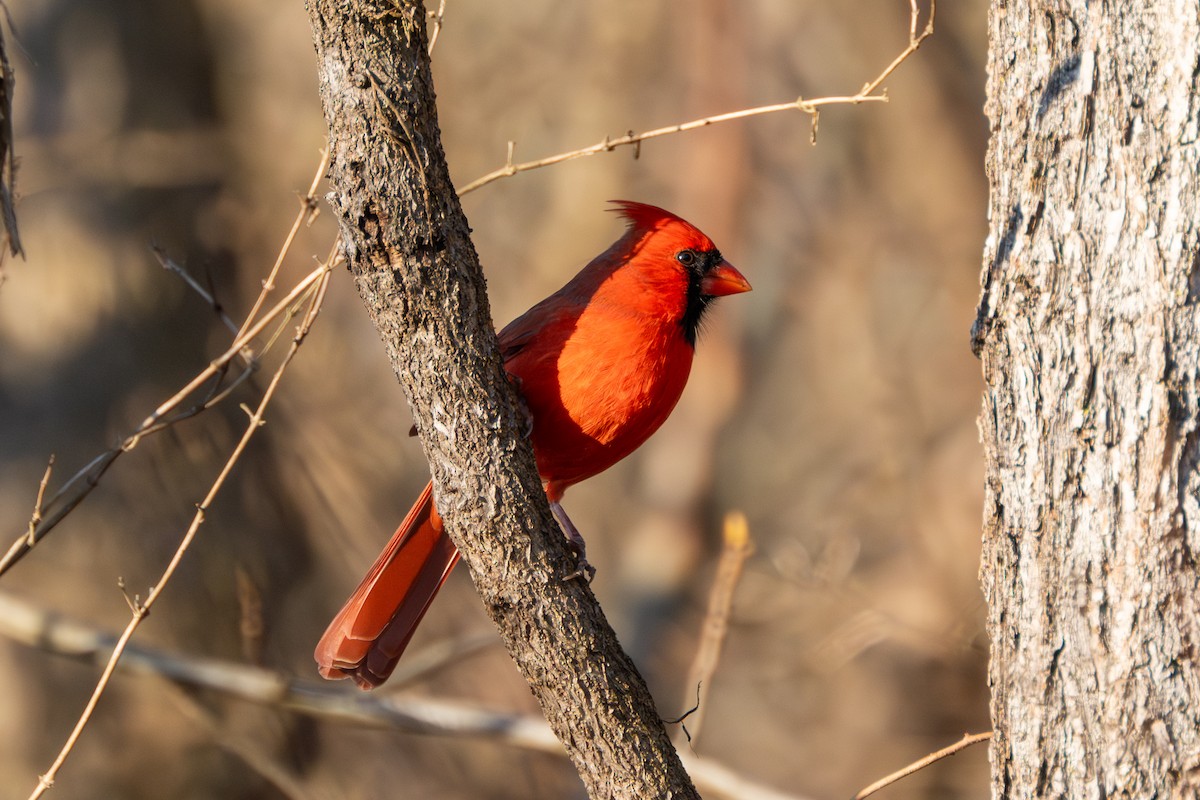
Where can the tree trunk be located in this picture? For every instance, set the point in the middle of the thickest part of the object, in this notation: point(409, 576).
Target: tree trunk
point(1087, 329)
point(408, 245)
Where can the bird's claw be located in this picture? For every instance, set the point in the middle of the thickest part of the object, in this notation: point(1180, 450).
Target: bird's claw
point(583, 569)
point(574, 541)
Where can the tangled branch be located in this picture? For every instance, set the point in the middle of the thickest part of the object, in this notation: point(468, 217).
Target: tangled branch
point(313, 293)
point(215, 375)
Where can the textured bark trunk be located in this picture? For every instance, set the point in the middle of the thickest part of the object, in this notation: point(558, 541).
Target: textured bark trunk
point(409, 248)
point(1087, 329)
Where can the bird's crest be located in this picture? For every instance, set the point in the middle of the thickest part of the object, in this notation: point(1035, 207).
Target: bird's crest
point(643, 215)
point(645, 218)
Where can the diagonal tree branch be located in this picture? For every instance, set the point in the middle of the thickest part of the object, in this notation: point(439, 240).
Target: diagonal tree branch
point(408, 246)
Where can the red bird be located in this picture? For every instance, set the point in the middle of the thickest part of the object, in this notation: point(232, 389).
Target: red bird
point(600, 364)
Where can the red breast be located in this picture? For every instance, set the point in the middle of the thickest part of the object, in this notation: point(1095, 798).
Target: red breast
point(603, 361)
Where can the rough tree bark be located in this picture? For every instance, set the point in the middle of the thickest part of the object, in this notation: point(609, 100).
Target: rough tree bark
point(1088, 332)
point(408, 246)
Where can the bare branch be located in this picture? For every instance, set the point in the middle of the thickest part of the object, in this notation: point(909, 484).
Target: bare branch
point(69, 496)
point(914, 43)
point(39, 503)
point(167, 263)
point(811, 107)
point(435, 27)
point(54, 633)
point(90, 475)
point(309, 208)
point(315, 294)
point(920, 764)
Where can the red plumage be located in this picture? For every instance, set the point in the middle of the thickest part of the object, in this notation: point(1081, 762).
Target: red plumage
point(600, 363)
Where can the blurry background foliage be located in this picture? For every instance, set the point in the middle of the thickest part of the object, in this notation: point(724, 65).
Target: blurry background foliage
point(835, 405)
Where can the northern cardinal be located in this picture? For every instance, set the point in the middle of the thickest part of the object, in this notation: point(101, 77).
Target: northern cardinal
point(600, 364)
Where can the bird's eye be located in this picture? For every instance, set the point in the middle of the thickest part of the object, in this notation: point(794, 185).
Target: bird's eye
point(686, 257)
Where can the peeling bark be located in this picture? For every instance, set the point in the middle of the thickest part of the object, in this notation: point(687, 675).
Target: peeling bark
point(409, 248)
point(1088, 332)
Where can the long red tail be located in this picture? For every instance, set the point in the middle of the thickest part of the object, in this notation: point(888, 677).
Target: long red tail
point(367, 637)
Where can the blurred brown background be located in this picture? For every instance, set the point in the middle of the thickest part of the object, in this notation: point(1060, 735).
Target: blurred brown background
point(835, 405)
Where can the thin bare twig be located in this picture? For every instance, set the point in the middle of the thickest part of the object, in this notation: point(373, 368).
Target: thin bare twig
point(436, 24)
point(737, 548)
point(91, 473)
point(920, 764)
point(39, 502)
point(811, 107)
point(914, 43)
point(307, 213)
point(89, 476)
point(314, 295)
point(167, 263)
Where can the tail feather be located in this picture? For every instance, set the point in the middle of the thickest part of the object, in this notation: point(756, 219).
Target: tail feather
point(367, 637)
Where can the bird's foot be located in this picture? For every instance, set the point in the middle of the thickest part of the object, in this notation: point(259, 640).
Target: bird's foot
point(575, 540)
point(583, 569)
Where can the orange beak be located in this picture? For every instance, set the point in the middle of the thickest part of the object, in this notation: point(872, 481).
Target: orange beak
point(723, 279)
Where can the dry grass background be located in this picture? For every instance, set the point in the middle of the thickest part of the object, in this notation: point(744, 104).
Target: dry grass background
point(835, 405)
